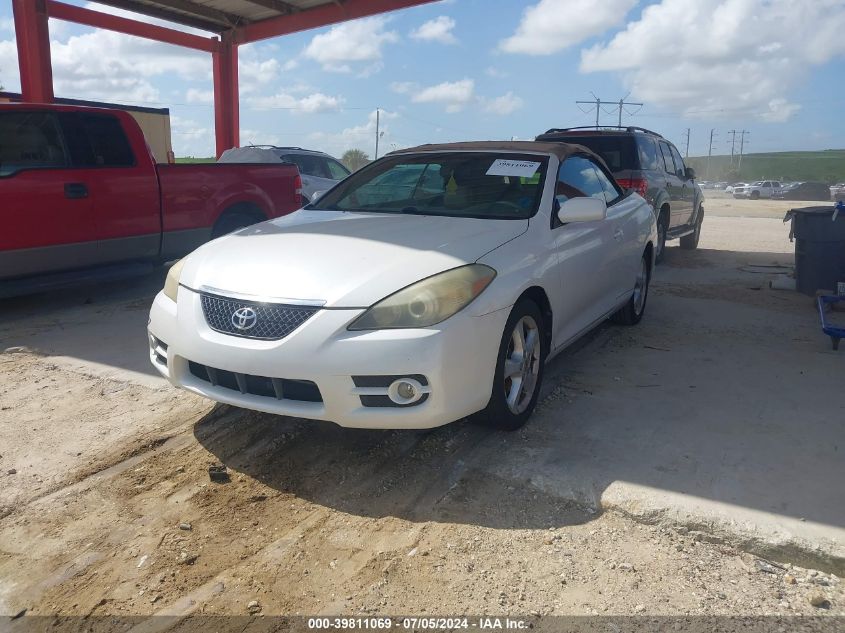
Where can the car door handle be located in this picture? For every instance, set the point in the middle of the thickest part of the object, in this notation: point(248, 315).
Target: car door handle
point(618, 234)
point(75, 190)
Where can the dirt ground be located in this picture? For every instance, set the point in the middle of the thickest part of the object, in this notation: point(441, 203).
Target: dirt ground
point(106, 507)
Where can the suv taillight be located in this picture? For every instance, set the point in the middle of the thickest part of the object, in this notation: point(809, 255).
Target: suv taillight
point(297, 186)
point(640, 185)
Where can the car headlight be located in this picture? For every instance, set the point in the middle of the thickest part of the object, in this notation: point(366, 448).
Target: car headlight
point(429, 301)
point(171, 284)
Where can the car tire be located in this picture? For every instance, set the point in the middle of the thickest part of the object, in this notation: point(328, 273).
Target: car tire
point(662, 228)
point(231, 222)
point(755, 195)
point(510, 404)
point(632, 312)
point(690, 242)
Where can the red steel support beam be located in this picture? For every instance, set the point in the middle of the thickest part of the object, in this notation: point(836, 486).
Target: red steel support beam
point(33, 39)
point(226, 103)
point(322, 15)
point(97, 19)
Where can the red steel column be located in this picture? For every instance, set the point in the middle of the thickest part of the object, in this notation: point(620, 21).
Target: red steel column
point(226, 98)
point(33, 38)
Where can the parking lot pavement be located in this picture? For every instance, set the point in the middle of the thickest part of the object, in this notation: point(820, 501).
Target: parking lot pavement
point(718, 418)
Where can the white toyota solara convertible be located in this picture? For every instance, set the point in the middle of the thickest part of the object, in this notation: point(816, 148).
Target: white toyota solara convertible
point(431, 285)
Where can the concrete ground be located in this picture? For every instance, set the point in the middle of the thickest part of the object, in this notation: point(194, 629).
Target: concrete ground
point(719, 415)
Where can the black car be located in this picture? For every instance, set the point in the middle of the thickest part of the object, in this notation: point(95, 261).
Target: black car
point(805, 191)
point(652, 166)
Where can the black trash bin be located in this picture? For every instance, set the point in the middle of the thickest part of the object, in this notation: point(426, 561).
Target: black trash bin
point(819, 248)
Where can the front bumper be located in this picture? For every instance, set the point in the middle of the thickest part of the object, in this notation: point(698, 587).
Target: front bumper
point(457, 358)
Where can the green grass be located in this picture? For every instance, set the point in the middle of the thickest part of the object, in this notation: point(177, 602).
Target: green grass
point(194, 159)
point(823, 166)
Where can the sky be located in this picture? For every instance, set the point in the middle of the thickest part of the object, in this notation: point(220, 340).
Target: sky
point(490, 69)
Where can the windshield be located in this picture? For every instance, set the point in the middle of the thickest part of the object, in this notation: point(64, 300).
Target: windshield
point(458, 184)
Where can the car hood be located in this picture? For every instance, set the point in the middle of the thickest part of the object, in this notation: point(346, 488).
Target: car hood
point(342, 259)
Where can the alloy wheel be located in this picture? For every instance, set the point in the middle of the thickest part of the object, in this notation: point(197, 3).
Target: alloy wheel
point(522, 364)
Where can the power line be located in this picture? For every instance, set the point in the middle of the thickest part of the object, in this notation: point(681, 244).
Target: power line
point(617, 106)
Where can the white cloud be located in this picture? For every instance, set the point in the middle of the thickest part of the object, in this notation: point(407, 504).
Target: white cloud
point(722, 58)
point(403, 87)
point(553, 25)
point(313, 103)
point(199, 96)
point(455, 94)
point(358, 42)
point(506, 104)
point(437, 30)
point(361, 137)
point(191, 138)
point(496, 73)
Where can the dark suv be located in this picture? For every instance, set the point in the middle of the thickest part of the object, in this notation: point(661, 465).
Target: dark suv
point(652, 166)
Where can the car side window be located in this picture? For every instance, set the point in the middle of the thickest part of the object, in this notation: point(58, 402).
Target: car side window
point(308, 165)
point(611, 190)
point(668, 163)
point(337, 171)
point(30, 140)
point(648, 154)
point(680, 168)
point(96, 140)
point(578, 178)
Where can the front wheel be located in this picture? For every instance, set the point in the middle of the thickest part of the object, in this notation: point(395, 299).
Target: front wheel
point(519, 369)
point(632, 312)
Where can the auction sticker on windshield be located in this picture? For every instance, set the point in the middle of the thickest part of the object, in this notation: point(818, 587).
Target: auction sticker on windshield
point(505, 167)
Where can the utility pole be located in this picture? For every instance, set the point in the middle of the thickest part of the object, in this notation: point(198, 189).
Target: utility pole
point(377, 132)
point(733, 145)
point(709, 154)
point(686, 152)
point(742, 146)
point(597, 104)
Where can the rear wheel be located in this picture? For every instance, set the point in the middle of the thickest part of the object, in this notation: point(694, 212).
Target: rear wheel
point(662, 228)
point(690, 242)
point(519, 370)
point(632, 312)
point(230, 222)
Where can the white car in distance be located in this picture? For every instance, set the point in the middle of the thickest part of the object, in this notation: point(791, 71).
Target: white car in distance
point(430, 285)
point(757, 190)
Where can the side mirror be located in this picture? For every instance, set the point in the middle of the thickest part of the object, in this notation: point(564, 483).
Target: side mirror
point(690, 173)
point(581, 210)
point(316, 196)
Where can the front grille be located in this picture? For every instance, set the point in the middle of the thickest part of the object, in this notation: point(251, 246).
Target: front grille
point(278, 388)
point(270, 321)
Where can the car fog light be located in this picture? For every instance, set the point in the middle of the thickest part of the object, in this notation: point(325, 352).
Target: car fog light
point(405, 391)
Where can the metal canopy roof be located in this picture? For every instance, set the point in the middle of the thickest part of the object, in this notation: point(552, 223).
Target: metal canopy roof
point(217, 16)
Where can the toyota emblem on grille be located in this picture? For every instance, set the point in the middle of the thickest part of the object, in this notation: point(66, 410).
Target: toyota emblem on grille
point(244, 318)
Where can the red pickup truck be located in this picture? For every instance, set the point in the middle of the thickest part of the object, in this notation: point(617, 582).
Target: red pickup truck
point(81, 197)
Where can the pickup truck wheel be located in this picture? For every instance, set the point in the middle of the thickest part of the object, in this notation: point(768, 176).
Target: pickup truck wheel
point(519, 370)
point(230, 222)
point(662, 228)
point(690, 242)
point(632, 312)
point(755, 195)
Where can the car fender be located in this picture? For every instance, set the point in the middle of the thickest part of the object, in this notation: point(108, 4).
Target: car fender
point(244, 193)
point(660, 199)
